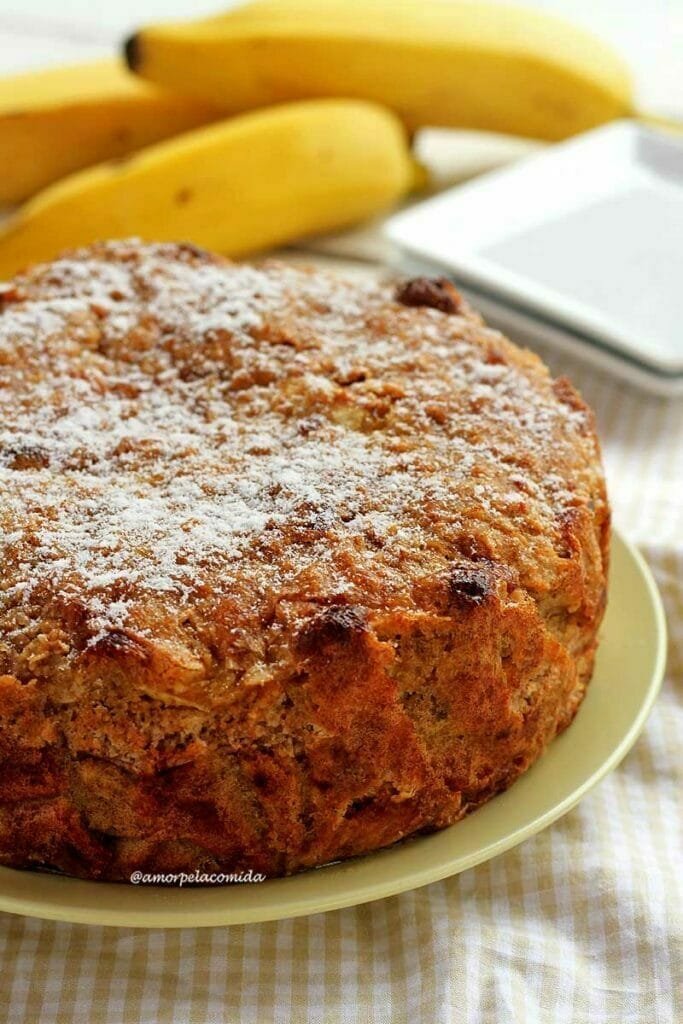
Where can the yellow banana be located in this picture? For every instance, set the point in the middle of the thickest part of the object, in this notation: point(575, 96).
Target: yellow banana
point(57, 121)
point(459, 64)
point(255, 181)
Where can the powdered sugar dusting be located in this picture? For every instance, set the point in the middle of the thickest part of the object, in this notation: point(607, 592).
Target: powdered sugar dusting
point(173, 428)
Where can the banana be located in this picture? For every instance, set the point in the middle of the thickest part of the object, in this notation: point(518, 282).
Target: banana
point(255, 181)
point(459, 64)
point(57, 121)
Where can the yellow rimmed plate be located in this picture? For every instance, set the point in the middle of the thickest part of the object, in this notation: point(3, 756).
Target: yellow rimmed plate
point(628, 674)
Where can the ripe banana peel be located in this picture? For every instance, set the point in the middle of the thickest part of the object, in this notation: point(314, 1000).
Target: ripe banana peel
point(57, 121)
point(241, 185)
point(458, 64)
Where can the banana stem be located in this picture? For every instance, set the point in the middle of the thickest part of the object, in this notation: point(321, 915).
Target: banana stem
point(666, 124)
point(421, 176)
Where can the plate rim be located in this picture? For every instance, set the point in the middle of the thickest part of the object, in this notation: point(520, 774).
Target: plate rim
point(172, 915)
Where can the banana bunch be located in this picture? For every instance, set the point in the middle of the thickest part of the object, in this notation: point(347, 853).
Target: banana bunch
point(450, 64)
point(247, 183)
point(283, 156)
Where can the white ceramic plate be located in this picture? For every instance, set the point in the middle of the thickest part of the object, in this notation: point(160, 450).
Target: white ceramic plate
point(586, 236)
point(627, 676)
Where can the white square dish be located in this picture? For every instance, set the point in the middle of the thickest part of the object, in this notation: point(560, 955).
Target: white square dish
point(585, 238)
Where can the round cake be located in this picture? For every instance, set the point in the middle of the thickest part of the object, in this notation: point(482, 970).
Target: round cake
point(293, 567)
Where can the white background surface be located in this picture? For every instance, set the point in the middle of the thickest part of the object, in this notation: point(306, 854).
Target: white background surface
point(649, 33)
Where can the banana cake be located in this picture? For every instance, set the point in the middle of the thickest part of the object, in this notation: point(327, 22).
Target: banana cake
point(292, 567)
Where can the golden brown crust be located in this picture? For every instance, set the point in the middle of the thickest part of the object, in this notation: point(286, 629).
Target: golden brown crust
point(293, 567)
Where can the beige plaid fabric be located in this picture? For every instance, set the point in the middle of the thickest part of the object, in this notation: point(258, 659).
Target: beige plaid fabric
point(580, 923)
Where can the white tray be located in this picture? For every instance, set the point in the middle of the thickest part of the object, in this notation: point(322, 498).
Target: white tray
point(581, 244)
